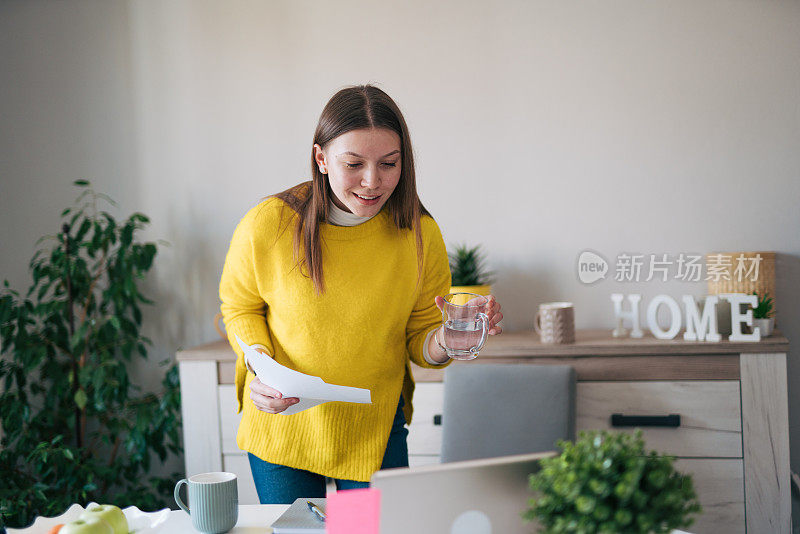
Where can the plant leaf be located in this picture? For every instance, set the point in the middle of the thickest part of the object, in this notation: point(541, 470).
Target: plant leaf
point(81, 398)
point(51, 379)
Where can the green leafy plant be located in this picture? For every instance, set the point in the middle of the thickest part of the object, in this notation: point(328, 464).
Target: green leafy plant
point(74, 427)
point(764, 308)
point(467, 267)
point(606, 483)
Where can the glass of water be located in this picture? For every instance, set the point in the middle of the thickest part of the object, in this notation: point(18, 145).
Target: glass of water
point(465, 325)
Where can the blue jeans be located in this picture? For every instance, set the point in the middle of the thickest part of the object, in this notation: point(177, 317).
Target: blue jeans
point(279, 484)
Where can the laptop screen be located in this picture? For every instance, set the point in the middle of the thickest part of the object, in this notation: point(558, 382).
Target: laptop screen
point(486, 496)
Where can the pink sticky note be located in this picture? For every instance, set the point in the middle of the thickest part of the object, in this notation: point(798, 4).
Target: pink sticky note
point(356, 511)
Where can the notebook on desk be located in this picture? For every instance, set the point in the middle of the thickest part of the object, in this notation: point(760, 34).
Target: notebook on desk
point(298, 519)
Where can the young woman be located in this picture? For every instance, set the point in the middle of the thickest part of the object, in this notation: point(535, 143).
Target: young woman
point(341, 277)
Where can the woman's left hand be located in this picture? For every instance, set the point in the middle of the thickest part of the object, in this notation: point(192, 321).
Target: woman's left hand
point(491, 309)
point(494, 315)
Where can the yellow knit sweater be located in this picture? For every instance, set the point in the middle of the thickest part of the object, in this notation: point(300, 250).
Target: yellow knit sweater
point(361, 332)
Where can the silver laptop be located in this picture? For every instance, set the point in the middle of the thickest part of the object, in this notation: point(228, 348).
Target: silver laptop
point(486, 496)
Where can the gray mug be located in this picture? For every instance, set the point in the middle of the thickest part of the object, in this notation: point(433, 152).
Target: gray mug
point(213, 501)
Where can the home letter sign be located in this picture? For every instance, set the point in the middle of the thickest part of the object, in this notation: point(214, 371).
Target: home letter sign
point(703, 328)
point(633, 315)
point(699, 326)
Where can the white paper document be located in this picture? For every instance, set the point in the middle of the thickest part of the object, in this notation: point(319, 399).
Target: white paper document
point(311, 390)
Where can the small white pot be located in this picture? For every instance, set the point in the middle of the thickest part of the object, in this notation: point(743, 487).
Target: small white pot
point(764, 325)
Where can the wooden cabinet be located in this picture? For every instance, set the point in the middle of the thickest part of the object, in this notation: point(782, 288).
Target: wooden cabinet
point(424, 433)
point(719, 484)
point(708, 442)
point(208, 408)
point(709, 411)
point(731, 398)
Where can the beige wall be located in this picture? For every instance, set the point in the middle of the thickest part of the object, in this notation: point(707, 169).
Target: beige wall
point(541, 129)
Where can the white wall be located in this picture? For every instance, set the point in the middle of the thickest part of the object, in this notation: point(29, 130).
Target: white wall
point(541, 129)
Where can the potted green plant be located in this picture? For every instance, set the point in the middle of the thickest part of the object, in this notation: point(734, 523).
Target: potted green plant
point(468, 271)
point(605, 482)
point(75, 428)
point(762, 315)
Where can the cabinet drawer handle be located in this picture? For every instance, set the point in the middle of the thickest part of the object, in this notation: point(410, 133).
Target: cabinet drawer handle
point(437, 419)
point(672, 420)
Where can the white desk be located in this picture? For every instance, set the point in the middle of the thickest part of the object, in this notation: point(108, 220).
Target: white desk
point(253, 519)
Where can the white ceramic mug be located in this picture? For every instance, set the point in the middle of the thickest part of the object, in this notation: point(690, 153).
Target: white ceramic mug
point(555, 323)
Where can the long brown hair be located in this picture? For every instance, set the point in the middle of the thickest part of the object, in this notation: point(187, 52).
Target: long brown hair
point(352, 108)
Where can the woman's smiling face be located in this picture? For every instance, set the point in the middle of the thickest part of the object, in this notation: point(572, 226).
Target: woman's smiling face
point(363, 168)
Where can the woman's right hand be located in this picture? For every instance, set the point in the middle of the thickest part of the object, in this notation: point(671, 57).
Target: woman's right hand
point(269, 399)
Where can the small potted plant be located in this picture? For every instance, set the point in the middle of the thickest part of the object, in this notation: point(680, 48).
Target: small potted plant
point(605, 482)
point(468, 272)
point(762, 315)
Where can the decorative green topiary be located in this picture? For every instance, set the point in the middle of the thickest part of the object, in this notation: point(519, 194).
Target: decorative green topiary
point(606, 483)
point(467, 267)
point(764, 308)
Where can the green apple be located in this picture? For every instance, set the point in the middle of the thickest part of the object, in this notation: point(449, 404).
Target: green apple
point(89, 525)
point(110, 514)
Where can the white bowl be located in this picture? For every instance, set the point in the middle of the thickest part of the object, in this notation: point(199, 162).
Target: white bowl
point(138, 522)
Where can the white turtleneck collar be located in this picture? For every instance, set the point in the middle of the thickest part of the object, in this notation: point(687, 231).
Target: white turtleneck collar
point(339, 217)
